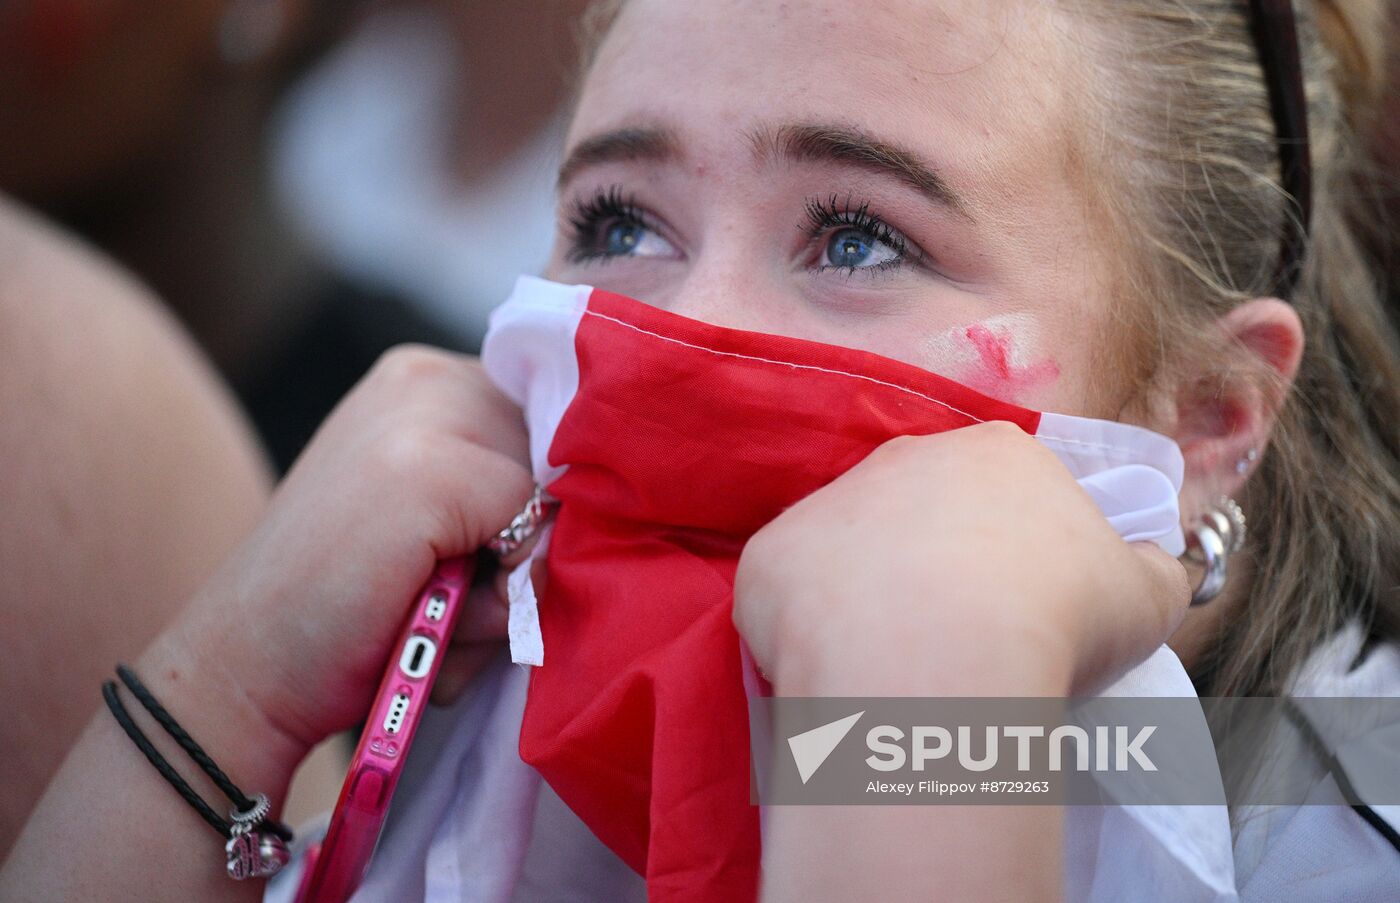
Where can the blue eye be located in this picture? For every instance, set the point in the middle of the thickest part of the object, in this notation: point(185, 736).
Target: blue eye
point(851, 238)
point(621, 239)
point(609, 226)
point(847, 248)
point(852, 248)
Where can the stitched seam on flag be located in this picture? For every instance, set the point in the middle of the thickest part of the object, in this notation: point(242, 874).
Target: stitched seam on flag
point(1122, 453)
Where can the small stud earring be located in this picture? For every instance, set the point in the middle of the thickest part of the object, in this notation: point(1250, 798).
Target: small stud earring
point(1243, 463)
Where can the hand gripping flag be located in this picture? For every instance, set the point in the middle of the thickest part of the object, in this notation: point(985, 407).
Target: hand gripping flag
point(668, 443)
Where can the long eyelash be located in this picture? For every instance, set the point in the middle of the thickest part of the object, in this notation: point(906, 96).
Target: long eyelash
point(587, 215)
point(834, 213)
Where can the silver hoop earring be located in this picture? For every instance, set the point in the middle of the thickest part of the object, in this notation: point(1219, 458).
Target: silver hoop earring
point(1220, 533)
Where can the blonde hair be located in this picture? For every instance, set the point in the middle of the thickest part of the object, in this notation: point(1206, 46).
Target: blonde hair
point(1185, 164)
point(1192, 160)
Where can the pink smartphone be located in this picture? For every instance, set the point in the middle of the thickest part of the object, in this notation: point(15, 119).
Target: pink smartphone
point(335, 866)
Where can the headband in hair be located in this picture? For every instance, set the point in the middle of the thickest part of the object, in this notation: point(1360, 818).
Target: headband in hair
point(1276, 36)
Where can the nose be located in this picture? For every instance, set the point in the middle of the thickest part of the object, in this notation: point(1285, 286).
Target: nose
point(729, 290)
point(719, 301)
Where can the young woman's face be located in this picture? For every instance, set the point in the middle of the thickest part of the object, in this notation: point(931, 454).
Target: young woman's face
point(899, 176)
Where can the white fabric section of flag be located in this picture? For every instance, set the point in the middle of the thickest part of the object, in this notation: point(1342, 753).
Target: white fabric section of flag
point(1133, 474)
point(529, 355)
point(523, 620)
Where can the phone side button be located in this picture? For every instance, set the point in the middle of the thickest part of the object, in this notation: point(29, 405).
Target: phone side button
point(368, 789)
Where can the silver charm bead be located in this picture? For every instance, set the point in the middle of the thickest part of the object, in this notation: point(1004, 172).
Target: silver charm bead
point(255, 854)
point(273, 855)
point(262, 807)
point(251, 851)
point(242, 853)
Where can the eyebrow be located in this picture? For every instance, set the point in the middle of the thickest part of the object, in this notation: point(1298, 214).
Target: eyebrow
point(652, 145)
point(793, 142)
point(851, 146)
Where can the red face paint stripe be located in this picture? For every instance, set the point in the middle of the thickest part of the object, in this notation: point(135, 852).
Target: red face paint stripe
point(994, 352)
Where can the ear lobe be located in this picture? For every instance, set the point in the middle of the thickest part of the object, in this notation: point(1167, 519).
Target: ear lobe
point(1224, 416)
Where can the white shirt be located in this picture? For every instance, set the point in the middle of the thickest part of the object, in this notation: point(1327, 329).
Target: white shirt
point(1328, 853)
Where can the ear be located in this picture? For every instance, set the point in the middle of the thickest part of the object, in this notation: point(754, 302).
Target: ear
point(1223, 420)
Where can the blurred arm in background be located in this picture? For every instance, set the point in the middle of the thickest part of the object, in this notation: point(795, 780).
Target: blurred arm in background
point(127, 475)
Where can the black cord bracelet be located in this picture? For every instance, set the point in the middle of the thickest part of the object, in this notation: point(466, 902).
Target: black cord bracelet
point(196, 752)
point(256, 844)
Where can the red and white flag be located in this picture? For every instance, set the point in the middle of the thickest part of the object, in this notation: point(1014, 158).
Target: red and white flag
point(668, 443)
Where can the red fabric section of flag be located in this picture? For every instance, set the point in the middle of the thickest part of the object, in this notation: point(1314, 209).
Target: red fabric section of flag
point(682, 441)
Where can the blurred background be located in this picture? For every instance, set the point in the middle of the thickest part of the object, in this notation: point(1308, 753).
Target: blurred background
point(304, 182)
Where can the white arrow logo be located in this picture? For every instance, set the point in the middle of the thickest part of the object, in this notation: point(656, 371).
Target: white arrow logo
point(811, 748)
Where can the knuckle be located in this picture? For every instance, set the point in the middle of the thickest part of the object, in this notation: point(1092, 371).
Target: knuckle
point(473, 368)
point(405, 453)
point(1164, 585)
point(900, 443)
point(1000, 434)
point(470, 371)
point(765, 558)
point(749, 587)
point(410, 363)
point(899, 448)
point(1177, 591)
point(1010, 444)
point(758, 552)
point(1003, 429)
point(752, 553)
